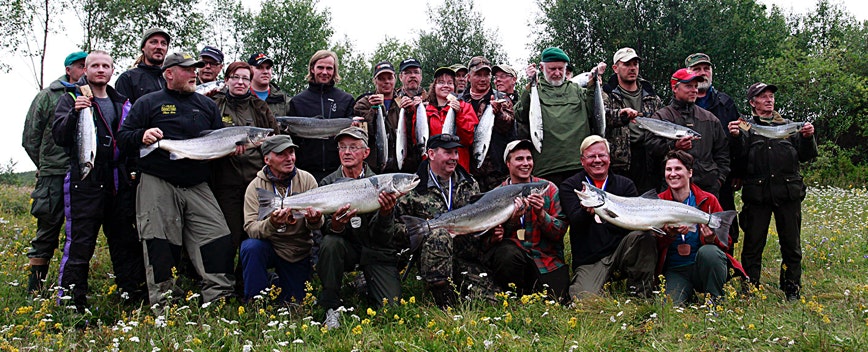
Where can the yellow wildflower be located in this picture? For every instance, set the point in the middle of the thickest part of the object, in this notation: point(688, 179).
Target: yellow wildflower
point(469, 342)
point(240, 310)
point(357, 330)
point(372, 312)
point(573, 322)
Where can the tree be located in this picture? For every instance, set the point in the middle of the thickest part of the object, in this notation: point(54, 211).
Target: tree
point(227, 23)
point(290, 32)
point(353, 68)
point(28, 24)
point(458, 35)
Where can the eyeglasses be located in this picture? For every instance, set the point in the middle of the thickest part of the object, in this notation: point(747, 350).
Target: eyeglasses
point(212, 64)
point(596, 156)
point(239, 78)
point(350, 148)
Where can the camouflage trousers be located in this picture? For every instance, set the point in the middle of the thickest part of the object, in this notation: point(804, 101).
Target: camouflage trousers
point(444, 258)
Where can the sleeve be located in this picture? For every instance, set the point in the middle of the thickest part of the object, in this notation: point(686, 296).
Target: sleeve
point(613, 116)
point(658, 146)
point(521, 111)
point(554, 221)
point(65, 121)
point(721, 151)
point(124, 85)
point(255, 228)
point(572, 207)
point(38, 117)
point(363, 108)
point(133, 129)
point(466, 121)
point(807, 147)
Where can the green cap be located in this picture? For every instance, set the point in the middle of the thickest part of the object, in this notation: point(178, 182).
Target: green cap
point(78, 55)
point(552, 54)
point(277, 144)
point(697, 58)
point(355, 133)
point(444, 70)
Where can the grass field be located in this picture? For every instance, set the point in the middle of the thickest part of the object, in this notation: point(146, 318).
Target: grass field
point(832, 315)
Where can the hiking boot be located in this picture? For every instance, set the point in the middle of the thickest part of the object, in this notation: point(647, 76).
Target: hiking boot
point(332, 319)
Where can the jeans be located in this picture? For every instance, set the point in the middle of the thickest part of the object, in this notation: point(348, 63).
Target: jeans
point(257, 256)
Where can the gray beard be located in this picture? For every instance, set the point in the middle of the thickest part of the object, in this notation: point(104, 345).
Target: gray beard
point(556, 83)
point(704, 86)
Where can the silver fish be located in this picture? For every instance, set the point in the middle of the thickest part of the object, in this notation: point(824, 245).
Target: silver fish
point(666, 129)
point(312, 127)
point(382, 139)
point(492, 209)
point(482, 135)
point(582, 79)
point(776, 131)
point(651, 213)
point(536, 119)
point(599, 108)
point(422, 131)
point(449, 122)
point(205, 88)
point(86, 141)
point(361, 194)
point(401, 133)
point(216, 144)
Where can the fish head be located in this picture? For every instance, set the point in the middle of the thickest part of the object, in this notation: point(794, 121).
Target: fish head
point(688, 133)
point(258, 135)
point(534, 188)
point(403, 183)
point(590, 196)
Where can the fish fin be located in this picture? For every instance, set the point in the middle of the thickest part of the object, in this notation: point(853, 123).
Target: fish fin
point(723, 220)
point(175, 156)
point(609, 213)
point(417, 230)
point(148, 149)
point(476, 197)
point(651, 194)
point(205, 133)
point(659, 231)
point(265, 200)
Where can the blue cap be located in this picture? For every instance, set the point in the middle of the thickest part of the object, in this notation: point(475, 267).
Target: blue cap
point(78, 55)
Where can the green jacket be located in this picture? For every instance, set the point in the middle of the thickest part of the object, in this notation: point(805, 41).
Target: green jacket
point(50, 160)
point(238, 170)
point(565, 112)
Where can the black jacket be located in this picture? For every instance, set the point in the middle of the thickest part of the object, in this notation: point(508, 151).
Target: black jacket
point(179, 116)
point(591, 241)
point(137, 82)
point(320, 156)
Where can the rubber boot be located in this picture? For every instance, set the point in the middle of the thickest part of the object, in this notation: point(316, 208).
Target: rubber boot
point(37, 278)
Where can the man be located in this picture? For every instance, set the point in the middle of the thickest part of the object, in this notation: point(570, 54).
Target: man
point(480, 95)
point(51, 166)
point(213, 59)
point(460, 78)
point(348, 240)
point(565, 109)
point(772, 185)
point(599, 250)
point(280, 241)
point(711, 152)
point(504, 80)
point(146, 77)
point(629, 96)
point(723, 107)
point(323, 100)
point(262, 86)
point(444, 186)
point(192, 220)
point(531, 253)
point(384, 97)
point(100, 197)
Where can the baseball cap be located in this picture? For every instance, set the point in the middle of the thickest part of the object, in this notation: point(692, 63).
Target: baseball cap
point(181, 59)
point(441, 70)
point(151, 32)
point(625, 54)
point(383, 66)
point(516, 144)
point(683, 76)
point(697, 58)
point(590, 140)
point(758, 87)
point(552, 54)
point(213, 53)
point(277, 144)
point(478, 63)
point(353, 132)
point(78, 55)
point(258, 59)
point(411, 62)
point(445, 141)
point(458, 67)
point(504, 68)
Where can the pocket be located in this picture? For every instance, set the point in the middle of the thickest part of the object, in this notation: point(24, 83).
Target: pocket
point(796, 189)
point(40, 205)
point(752, 193)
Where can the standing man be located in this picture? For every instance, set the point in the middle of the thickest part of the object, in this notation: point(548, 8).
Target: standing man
point(772, 185)
point(102, 196)
point(711, 152)
point(52, 164)
point(323, 100)
point(504, 80)
point(565, 111)
point(146, 77)
point(531, 252)
point(480, 95)
point(213, 59)
point(723, 107)
point(601, 249)
point(175, 208)
point(629, 96)
point(262, 86)
point(349, 239)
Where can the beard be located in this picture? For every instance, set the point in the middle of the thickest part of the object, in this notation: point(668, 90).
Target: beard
point(704, 86)
point(556, 83)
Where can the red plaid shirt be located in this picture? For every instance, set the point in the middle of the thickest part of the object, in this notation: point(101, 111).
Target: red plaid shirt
point(544, 235)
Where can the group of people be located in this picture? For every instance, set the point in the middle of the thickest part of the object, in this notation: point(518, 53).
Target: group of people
point(165, 217)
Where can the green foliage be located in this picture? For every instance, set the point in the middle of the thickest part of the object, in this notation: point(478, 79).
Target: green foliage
point(7, 174)
point(459, 33)
point(227, 23)
point(353, 67)
point(834, 167)
point(290, 32)
point(13, 19)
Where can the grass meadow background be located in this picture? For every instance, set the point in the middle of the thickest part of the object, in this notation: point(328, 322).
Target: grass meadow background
point(832, 315)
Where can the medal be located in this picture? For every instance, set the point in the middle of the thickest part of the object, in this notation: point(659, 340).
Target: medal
point(684, 248)
point(520, 234)
point(355, 222)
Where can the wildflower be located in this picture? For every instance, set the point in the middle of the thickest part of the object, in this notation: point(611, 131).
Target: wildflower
point(112, 289)
point(573, 322)
point(432, 324)
point(24, 310)
point(366, 321)
point(469, 342)
point(357, 330)
point(412, 299)
point(371, 312)
point(240, 310)
point(751, 327)
point(687, 336)
point(507, 317)
point(397, 317)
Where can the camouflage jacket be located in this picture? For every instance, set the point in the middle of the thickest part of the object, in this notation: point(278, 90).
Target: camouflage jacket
point(50, 159)
point(426, 201)
point(619, 131)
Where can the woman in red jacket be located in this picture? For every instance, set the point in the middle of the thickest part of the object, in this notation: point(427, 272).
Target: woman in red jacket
point(440, 101)
point(691, 259)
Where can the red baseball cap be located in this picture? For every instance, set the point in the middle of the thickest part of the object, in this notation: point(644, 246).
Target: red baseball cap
point(684, 76)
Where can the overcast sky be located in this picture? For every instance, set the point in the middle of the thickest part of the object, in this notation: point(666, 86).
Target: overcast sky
point(400, 19)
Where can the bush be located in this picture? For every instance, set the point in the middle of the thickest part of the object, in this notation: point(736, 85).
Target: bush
point(834, 167)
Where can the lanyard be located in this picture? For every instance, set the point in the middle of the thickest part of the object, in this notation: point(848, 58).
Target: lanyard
point(285, 194)
point(443, 193)
point(595, 184)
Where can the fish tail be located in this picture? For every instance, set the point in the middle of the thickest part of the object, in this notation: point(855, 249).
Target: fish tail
point(265, 200)
point(417, 230)
point(720, 223)
point(148, 149)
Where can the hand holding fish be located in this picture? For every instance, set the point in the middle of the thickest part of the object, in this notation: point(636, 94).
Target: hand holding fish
point(530, 71)
point(282, 217)
point(313, 216)
point(673, 230)
point(375, 99)
point(733, 127)
point(342, 217)
point(519, 209)
point(81, 103)
point(631, 114)
point(807, 130)
point(600, 69)
point(410, 103)
point(535, 202)
point(685, 143)
point(387, 202)
point(152, 135)
point(706, 233)
point(239, 149)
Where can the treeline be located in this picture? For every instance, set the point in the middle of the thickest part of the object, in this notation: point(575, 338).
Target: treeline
point(819, 59)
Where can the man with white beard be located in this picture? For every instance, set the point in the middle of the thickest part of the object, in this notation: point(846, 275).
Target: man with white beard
point(565, 108)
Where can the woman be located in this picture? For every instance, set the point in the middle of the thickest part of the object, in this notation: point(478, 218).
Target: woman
point(439, 104)
point(231, 174)
point(691, 260)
